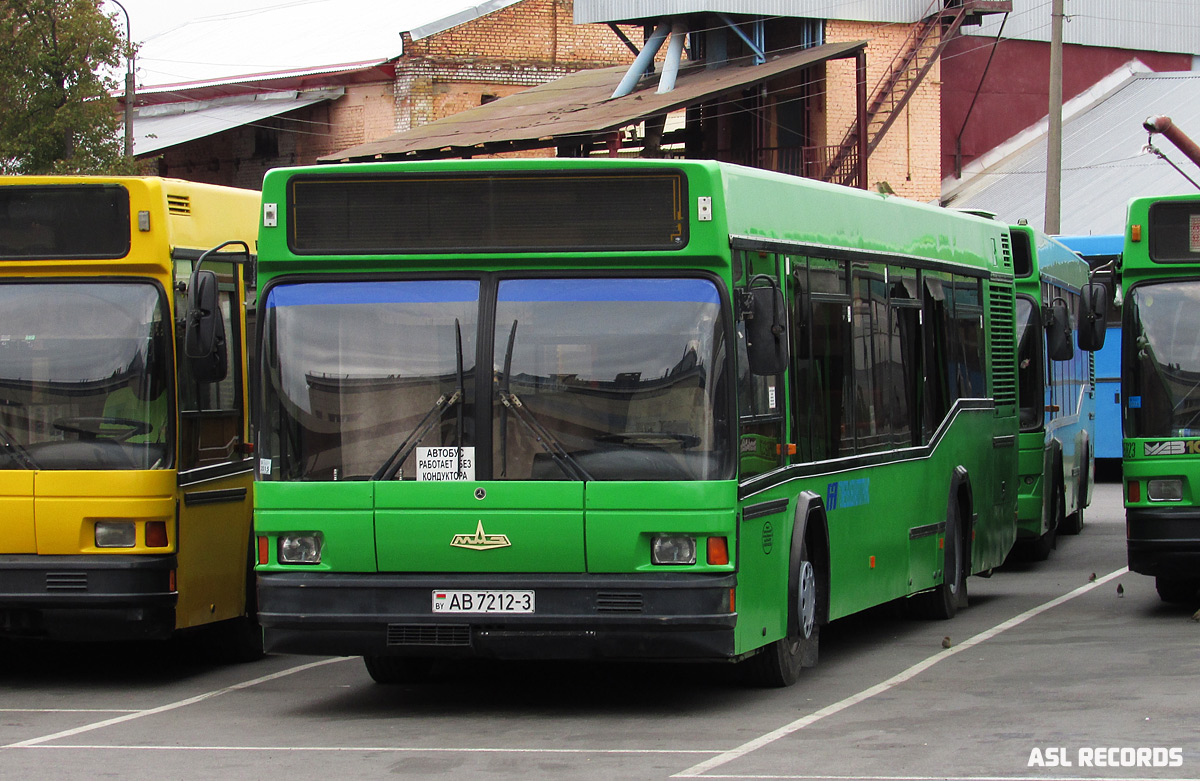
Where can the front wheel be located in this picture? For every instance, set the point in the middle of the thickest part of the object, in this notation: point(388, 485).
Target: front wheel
point(779, 664)
point(1177, 591)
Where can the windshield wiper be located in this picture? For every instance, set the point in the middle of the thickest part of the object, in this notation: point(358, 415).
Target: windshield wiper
point(558, 454)
point(19, 454)
point(392, 465)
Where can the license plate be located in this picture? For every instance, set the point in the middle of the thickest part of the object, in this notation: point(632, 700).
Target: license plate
point(483, 601)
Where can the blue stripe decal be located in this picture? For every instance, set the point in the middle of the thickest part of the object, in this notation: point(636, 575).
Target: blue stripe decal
point(414, 292)
point(564, 290)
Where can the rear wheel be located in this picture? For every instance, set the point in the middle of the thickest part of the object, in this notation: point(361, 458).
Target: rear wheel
point(393, 670)
point(1177, 591)
point(1073, 523)
point(1039, 549)
point(942, 603)
point(779, 664)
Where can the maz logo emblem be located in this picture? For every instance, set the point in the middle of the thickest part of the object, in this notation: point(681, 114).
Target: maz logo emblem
point(480, 540)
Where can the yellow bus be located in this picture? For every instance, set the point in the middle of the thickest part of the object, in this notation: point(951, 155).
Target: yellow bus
point(125, 464)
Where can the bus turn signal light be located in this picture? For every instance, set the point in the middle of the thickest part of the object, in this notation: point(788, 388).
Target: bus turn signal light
point(264, 550)
point(718, 550)
point(1135, 232)
point(156, 534)
point(1134, 491)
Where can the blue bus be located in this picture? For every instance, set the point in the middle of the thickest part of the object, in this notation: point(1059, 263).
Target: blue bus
point(1099, 251)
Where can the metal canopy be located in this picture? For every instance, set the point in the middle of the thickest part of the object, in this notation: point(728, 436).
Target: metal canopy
point(165, 125)
point(580, 106)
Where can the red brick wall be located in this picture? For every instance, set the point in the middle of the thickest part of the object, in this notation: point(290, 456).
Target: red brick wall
point(908, 159)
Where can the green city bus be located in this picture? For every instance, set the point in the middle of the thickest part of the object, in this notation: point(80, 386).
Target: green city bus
point(602, 409)
point(1160, 385)
point(1055, 393)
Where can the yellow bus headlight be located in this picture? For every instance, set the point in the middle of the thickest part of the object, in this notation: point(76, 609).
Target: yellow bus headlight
point(116, 534)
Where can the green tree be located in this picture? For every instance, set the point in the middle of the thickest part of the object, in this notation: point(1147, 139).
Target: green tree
point(57, 110)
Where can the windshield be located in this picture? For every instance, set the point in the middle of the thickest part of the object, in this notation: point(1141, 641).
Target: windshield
point(83, 377)
point(1162, 360)
point(626, 376)
point(1029, 365)
point(605, 379)
point(350, 369)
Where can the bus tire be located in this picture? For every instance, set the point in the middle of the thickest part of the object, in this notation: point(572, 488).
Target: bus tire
point(1073, 523)
point(942, 602)
point(394, 670)
point(1177, 591)
point(779, 663)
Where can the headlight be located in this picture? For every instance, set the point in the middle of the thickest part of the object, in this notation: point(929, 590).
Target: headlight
point(115, 534)
point(1168, 490)
point(673, 549)
point(300, 548)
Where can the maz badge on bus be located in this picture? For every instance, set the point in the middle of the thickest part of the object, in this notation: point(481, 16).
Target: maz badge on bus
point(440, 464)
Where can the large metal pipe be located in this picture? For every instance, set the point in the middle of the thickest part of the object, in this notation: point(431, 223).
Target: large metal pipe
point(644, 59)
point(1176, 136)
point(666, 82)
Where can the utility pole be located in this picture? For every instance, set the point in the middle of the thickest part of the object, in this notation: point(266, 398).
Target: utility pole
point(129, 87)
point(1054, 134)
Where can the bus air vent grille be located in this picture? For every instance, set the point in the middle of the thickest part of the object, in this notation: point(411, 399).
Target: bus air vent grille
point(1004, 349)
point(618, 602)
point(66, 581)
point(179, 204)
point(429, 634)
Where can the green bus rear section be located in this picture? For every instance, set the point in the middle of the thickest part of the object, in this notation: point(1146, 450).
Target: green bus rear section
point(879, 517)
point(1161, 468)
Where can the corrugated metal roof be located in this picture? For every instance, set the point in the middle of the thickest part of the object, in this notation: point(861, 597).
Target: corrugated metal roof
point(908, 11)
point(159, 127)
point(1103, 166)
point(1144, 25)
point(581, 104)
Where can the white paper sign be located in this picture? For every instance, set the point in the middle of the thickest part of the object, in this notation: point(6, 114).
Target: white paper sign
point(445, 463)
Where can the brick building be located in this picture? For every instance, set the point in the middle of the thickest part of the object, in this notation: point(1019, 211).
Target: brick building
point(796, 114)
point(230, 131)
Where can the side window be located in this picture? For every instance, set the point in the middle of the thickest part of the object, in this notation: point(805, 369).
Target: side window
point(967, 379)
point(872, 356)
point(904, 375)
point(211, 413)
point(760, 398)
point(823, 395)
point(936, 305)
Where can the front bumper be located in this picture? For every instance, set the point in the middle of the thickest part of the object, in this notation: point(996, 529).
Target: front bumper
point(642, 616)
point(1163, 541)
point(87, 597)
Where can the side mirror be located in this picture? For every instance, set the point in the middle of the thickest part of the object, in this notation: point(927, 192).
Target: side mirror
point(1093, 316)
point(204, 329)
point(1059, 345)
point(766, 328)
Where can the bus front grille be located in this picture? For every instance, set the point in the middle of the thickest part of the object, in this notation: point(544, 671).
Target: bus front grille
point(66, 581)
point(618, 602)
point(428, 634)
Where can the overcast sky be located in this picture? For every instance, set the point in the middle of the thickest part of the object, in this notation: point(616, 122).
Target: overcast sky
point(212, 39)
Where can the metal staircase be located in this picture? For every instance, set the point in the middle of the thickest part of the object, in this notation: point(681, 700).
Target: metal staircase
point(926, 41)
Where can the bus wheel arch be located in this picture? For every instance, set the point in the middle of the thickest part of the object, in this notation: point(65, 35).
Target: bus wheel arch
point(779, 663)
point(943, 601)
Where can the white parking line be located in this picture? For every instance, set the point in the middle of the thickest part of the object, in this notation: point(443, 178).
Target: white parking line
point(174, 705)
point(67, 710)
point(390, 749)
point(866, 694)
